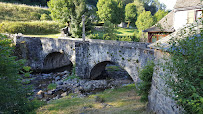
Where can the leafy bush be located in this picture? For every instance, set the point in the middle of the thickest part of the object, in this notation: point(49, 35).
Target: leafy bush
point(186, 67)
point(35, 27)
point(146, 76)
point(126, 38)
point(27, 71)
point(51, 86)
point(13, 95)
point(34, 16)
point(45, 17)
point(109, 31)
point(93, 36)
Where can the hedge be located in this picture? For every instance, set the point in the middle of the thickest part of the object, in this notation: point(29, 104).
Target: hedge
point(35, 27)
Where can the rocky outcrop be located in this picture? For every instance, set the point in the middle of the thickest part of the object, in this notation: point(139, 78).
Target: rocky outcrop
point(66, 84)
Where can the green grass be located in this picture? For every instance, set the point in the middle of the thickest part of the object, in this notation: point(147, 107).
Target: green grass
point(124, 31)
point(51, 86)
point(119, 31)
point(14, 12)
point(113, 68)
point(122, 100)
point(46, 35)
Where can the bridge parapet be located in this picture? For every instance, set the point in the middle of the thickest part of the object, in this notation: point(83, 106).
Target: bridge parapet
point(49, 53)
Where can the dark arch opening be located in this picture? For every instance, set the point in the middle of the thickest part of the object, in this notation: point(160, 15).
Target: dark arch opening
point(108, 70)
point(57, 62)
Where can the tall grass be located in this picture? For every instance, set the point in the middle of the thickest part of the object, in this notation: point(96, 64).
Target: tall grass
point(17, 12)
point(34, 27)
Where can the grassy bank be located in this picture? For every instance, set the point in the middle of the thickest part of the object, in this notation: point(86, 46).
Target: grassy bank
point(33, 28)
point(17, 12)
point(118, 31)
point(115, 101)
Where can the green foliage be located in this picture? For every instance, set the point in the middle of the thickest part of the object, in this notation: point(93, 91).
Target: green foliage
point(13, 94)
point(146, 76)
point(14, 12)
point(69, 11)
point(159, 15)
point(61, 10)
point(35, 27)
point(111, 10)
point(144, 20)
point(26, 71)
point(51, 86)
point(130, 13)
point(28, 2)
point(45, 17)
point(109, 31)
point(186, 70)
point(136, 36)
point(93, 36)
point(126, 38)
point(153, 5)
point(139, 6)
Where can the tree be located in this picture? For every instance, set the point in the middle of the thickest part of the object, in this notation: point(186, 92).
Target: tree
point(159, 15)
point(61, 10)
point(125, 2)
point(139, 6)
point(109, 31)
point(153, 5)
point(69, 11)
point(111, 10)
point(13, 94)
point(144, 20)
point(130, 13)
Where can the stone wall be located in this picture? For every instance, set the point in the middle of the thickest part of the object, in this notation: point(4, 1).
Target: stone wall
point(94, 56)
point(39, 52)
point(159, 102)
point(36, 50)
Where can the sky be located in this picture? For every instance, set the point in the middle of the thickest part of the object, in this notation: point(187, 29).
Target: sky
point(169, 3)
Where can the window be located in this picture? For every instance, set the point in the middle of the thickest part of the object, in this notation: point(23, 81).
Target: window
point(198, 14)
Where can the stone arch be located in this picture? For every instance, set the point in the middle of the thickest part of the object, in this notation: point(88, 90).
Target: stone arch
point(57, 61)
point(98, 70)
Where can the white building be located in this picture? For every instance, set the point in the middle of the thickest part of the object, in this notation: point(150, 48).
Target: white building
point(184, 12)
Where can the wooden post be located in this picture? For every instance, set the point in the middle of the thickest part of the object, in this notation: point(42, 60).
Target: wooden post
point(83, 28)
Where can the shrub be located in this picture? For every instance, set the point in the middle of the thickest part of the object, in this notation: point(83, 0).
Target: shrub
point(34, 16)
point(126, 38)
point(93, 36)
point(109, 31)
point(35, 27)
point(186, 67)
point(45, 17)
point(146, 76)
point(51, 86)
point(13, 95)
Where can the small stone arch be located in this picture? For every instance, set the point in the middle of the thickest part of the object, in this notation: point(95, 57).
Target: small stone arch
point(57, 62)
point(99, 70)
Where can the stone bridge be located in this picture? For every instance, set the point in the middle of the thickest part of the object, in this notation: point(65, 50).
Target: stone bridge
point(89, 57)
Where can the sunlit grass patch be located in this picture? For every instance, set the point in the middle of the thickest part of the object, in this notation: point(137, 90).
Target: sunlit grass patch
point(46, 35)
point(122, 100)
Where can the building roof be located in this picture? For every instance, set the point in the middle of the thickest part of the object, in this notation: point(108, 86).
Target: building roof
point(190, 30)
point(187, 3)
point(164, 25)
